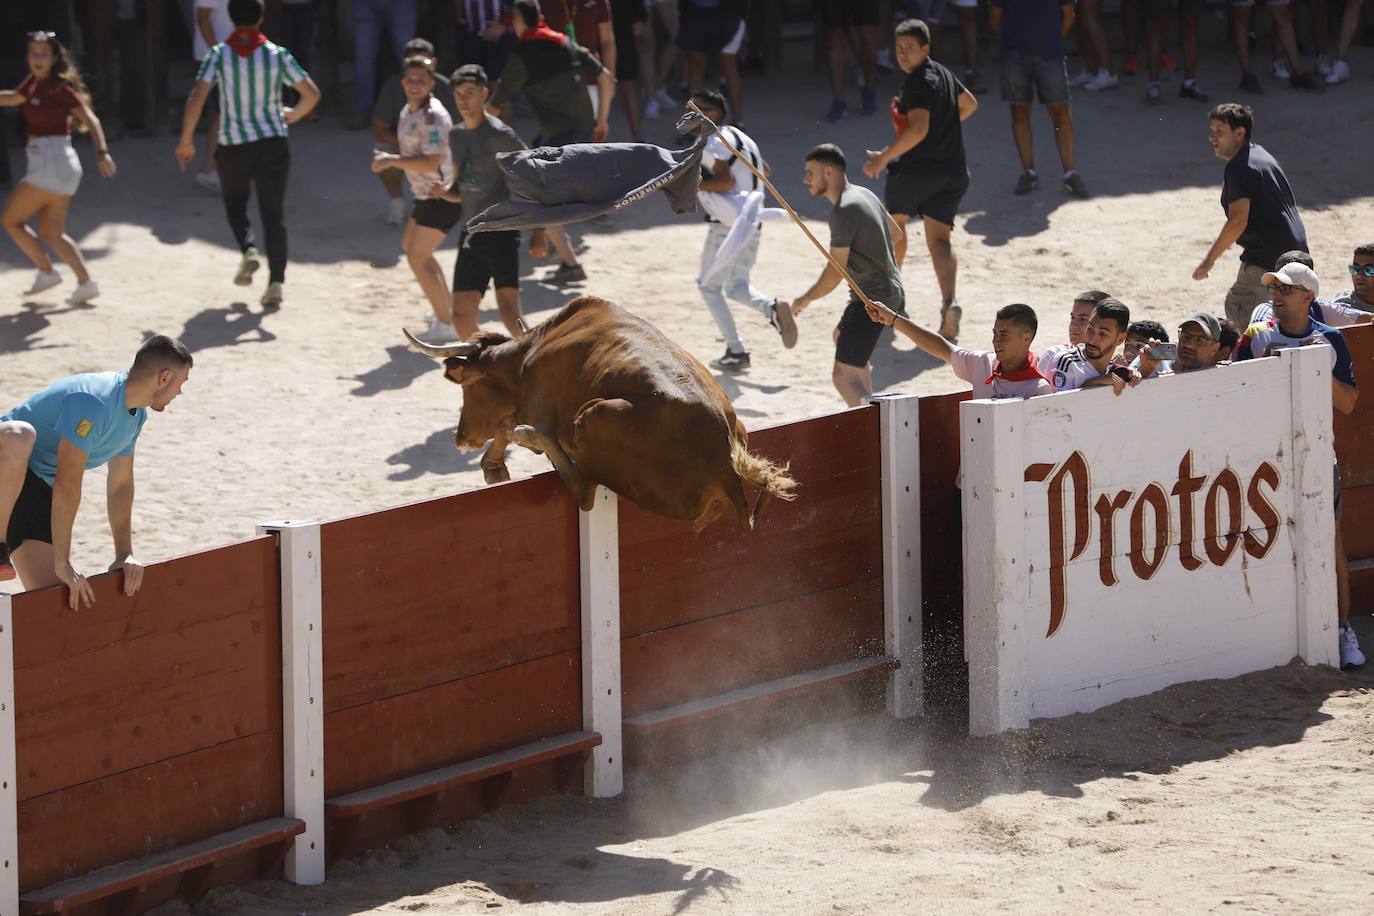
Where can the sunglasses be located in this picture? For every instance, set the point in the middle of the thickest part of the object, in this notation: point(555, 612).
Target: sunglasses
point(1283, 288)
point(42, 36)
point(1366, 269)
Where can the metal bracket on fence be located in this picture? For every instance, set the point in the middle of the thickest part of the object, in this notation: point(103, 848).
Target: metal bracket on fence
point(9, 793)
point(599, 554)
point(898, 419)
point(302, 668)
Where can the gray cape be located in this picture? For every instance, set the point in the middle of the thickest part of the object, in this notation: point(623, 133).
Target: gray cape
point(554, 185)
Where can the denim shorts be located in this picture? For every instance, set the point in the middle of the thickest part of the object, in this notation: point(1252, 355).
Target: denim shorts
point(1025, 77)
point(53, 165)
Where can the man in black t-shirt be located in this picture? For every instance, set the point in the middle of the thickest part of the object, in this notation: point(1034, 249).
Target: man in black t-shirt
point(927, 174)
point(1261, 213)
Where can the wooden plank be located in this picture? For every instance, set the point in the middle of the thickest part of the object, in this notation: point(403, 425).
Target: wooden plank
point(1357, 521)
point(150, 809)
point(412, 787)
point(426, 729)
point(494, 571)
point(807, 681)
point(723, 653)
point(111, 880)
point(830, 536)
point(942, 556)
point(191, 661)
point(1355, 432)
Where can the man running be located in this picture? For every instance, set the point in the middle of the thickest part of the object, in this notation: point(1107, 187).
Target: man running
point(861, 234)
point(48, 442)
point(252, 153)
point(724, 196)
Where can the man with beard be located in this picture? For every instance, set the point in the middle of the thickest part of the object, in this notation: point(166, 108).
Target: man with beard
point(48, 442)
point(1089, 364)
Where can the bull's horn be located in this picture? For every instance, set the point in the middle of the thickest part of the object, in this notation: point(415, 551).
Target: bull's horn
point(520, 323)
point(465, 348)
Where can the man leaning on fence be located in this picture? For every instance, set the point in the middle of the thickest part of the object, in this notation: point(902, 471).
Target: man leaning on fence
point(48, 442)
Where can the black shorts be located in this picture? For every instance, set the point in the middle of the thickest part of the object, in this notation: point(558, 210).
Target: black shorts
point(487, 258)
point(917, 193)
point(709, 31)
point(842, 14)
point(858, 335)
point(31, 517)
point(437, 214)
point(626, 65)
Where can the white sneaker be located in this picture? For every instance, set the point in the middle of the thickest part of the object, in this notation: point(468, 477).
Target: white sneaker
point(1323, 66)
point(651, 109)
point(1340, 72)
point(1103, 80)
point(208, 180)
point(1080, 79)
point(1351, 656)
point(396, 211)
point(438, 333)
point(665, 100)
point(84, 293)
point(46, 279)
point(1280, 71)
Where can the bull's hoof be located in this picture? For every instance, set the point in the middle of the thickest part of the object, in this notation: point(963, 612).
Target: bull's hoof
point(497, 474)
point(527, 436)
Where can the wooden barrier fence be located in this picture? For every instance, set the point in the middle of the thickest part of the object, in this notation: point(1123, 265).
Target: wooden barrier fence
point(323, 688)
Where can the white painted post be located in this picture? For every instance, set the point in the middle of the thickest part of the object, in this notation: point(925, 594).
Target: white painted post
point(302, 680)
point(9, 771)
point(996, 582)
point(901, 472)
point(599, 536)
point(1314, 524)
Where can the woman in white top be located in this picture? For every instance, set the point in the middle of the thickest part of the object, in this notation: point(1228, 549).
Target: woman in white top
point(427, 160)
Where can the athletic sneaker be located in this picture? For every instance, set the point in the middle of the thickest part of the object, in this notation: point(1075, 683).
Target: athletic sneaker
point(1279, 70)
point(1323, 66)
point(272, 296)
point(973, 81)
point(664, 99)
point(651, 109)
point(1131, 65)
point(1351, 656)
point(1080, 79)
point(6, 567)
point(248, 265)
point(1153, 96)
point(208, 180)
point(837, 110)
point(1028, 182)
point(1340, 72)
point(1190, 90)
point(1167, 63)
point(885, 66)
point(1251, 84)
point(566, 273)
point(396, 211)
point(84, 293)
point(950, 316)
point(732, 361)
point(1074, 184)
point(46, 279)
point(780, 317)
point(1103, 80)
point(438, 333)
point(870, 101)
point(1308, 82)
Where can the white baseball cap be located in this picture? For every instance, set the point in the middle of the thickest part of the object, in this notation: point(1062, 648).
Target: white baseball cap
point(1293, 274)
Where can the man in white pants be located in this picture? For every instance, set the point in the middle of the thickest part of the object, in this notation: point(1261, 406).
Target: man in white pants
point(725, 196)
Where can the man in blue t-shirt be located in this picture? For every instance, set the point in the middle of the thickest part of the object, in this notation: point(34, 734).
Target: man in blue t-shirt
point(48, 442)
point(1294, 287)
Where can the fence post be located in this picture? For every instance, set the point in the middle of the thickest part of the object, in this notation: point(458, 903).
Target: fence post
point(899, 429)
point(599, 539)
point(1314, 529)
point(996, 577)
point(302, 681)
point(9, 791)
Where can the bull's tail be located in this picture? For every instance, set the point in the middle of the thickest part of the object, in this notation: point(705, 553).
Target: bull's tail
point(770, 478)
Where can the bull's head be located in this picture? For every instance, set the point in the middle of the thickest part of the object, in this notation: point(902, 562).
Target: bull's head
point(488, 404)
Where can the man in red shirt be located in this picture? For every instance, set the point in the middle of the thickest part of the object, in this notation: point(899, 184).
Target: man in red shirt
point(587, 22)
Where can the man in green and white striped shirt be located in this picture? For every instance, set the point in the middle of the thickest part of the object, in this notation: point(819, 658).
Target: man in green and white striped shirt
point(250, 72)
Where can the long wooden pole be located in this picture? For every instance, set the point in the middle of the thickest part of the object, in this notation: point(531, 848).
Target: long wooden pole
point(788, 207)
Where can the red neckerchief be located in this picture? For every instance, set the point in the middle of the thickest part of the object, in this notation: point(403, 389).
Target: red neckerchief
point(542, 32)
point(245, 40)
point(1024, 374)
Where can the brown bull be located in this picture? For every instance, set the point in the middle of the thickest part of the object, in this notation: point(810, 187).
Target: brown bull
point(610, 401)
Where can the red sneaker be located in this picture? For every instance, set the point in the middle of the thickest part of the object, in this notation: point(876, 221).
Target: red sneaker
point(1167, 62)
point(1131, 66)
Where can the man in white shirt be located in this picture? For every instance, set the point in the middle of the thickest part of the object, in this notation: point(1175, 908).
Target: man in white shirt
point(1343, 311)
point(1089, 365)
point(725, 195)
point(212, 26)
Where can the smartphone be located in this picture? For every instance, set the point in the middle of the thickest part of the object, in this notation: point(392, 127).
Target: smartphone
point(1122, 372)
point(1163, 351)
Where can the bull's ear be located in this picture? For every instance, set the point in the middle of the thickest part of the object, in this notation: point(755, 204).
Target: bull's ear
point(460, 371)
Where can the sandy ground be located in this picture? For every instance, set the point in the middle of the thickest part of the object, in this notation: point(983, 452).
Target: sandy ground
point(1246, 793)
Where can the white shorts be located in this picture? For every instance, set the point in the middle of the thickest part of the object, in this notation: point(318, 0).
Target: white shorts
point(53, 165)
point(736, 42)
